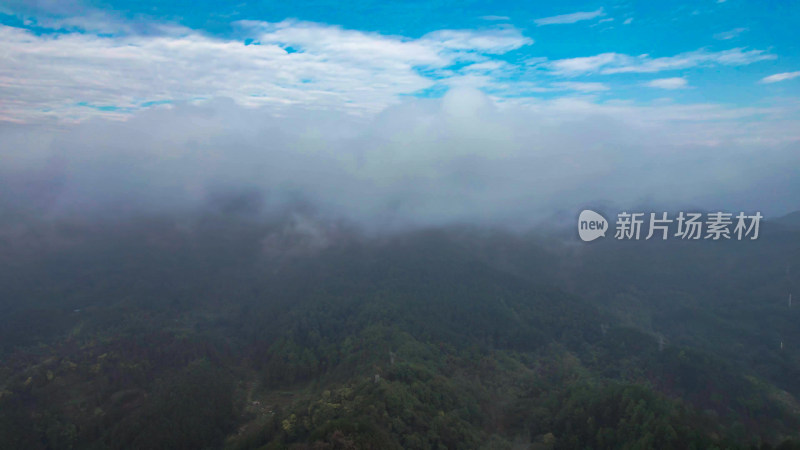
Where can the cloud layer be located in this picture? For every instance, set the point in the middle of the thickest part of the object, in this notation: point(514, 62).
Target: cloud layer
point(117, 69)
point(460, 158)
point(386, 131)
point(77, 75)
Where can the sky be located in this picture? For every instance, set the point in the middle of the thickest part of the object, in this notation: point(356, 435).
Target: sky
point(396, 112)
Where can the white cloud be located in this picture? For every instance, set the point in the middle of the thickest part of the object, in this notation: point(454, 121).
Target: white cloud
point(76, 75)
point(570, 18)
point(780, 77)
point(293, 116)
point(581, 86)
point(628, 21)
point(611, 63)
point(496, 18)
point(490, 42)
point(730, 34)
point(668, 83)
point(460, 158)
point(586, 64)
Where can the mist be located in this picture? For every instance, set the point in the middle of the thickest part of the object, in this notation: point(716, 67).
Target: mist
point(463, 158)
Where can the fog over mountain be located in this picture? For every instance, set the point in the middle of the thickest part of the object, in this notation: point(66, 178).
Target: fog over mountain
point(326, 225)
point(462, 158)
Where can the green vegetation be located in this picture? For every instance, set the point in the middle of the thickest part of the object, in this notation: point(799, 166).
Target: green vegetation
point(228, 335)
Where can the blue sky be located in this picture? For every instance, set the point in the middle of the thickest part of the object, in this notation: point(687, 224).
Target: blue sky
point(424, 112)
point(700, 51)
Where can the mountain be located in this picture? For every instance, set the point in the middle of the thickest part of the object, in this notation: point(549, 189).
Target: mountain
point(220, 332)
point(791, 220)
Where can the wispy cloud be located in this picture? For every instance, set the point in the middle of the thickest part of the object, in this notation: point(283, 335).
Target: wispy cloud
point(611, 63)
point(581, 86)
point(75, 75)
point(496, 18)
point(585, 64)
point(489, 42)
point(570, 18)
point(668, 83)
point(730, 34)
point(780, 77)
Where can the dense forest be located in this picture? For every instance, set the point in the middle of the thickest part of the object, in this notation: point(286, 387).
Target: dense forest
point(224, 330)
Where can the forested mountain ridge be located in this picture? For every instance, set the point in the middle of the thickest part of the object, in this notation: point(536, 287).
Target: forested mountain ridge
point(217, 332)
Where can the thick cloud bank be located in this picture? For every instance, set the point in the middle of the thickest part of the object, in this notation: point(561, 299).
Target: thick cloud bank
point(459, 158)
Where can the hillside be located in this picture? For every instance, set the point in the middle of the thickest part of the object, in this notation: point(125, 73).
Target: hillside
point(220, 332)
